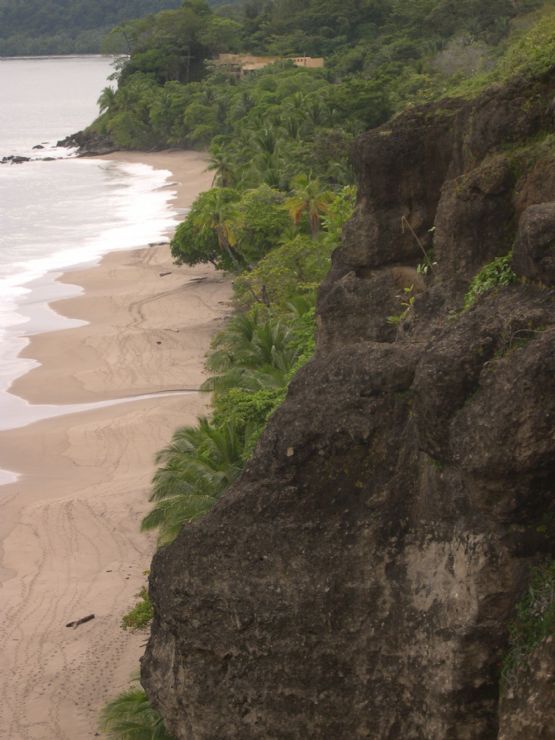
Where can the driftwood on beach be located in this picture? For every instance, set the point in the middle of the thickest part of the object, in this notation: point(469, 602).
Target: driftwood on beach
point(77, 622)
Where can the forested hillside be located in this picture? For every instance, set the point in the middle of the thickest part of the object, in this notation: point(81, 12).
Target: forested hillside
point(66, 26)
point(380, 56)
point(279, 142)
point(404, 29)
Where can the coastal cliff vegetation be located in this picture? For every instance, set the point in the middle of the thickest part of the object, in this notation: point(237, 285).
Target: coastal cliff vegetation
point(279, 141)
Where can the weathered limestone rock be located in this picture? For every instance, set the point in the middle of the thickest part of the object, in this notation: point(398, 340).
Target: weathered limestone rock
point(358, 580)
point(536, 185)
point(474, 220)
point(358, 305)
point(534, 251)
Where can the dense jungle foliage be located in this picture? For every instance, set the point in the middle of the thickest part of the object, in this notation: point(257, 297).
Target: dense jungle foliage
point(278, 142)
point(381, 55)
point(29, 27)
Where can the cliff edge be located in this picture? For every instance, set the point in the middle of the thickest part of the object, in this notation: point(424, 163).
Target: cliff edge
point(359, 579)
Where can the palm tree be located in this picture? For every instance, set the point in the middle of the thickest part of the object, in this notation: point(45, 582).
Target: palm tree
point(197, 466)
point(130, 717)
point(267, 169)
point(291, 124)
point(219, 216)
point(223, 166)
point(266, 377)
point(317, 112)
point(243, 104)
point(249, 340)
point(308, 197)
point(106, 99)
point(266, 140)
point(254, 352)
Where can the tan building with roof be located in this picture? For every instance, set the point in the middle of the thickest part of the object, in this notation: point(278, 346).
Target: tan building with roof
point(242, 64)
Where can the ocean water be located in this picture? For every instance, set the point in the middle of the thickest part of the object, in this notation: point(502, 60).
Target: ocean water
point(56, 215)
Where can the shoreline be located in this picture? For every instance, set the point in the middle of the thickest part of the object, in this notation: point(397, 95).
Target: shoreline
point(38, 307)
point(69, 526)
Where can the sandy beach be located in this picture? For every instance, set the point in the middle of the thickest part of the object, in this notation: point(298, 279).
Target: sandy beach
point(69, 527)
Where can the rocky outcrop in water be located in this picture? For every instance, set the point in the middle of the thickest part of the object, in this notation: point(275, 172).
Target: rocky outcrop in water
point(359, 579)
point(89, 143)
point(14, 159)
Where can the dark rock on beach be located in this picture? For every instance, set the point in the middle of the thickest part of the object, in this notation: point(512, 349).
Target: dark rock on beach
point(89, 143)
point(14, 159)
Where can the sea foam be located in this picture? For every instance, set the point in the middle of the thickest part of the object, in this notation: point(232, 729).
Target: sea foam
point(57, 216)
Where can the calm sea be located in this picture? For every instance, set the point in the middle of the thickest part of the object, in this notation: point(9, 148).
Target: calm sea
point(55, 215)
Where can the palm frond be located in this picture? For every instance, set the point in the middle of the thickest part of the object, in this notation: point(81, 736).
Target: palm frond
point(130, 717)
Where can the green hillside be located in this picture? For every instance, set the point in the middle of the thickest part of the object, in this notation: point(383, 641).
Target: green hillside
point(66, 26)
point(379, 56)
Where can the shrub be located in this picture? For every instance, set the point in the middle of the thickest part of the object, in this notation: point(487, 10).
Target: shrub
point(497, 273)
point(141, 615)
point(130, 717)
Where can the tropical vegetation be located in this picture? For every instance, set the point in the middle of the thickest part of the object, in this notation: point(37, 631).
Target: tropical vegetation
point(495, 274)
point(380, 55)
point(140, 616)
point(130, 717)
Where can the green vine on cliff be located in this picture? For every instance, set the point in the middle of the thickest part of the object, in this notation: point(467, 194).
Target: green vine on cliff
point(534, 620)
point(495, 274)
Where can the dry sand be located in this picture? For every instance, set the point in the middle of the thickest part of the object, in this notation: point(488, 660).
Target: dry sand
point(69, 528)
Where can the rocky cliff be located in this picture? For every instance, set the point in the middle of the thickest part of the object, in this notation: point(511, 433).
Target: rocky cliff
point(359, 579)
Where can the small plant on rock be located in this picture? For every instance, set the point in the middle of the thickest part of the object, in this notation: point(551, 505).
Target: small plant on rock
point(407, 303)
point(495, 274)
point(141, 615)
point(534, 620)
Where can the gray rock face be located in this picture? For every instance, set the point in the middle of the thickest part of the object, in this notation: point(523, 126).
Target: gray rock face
point(358, 580)
point(474, 220)
point(534, 251)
